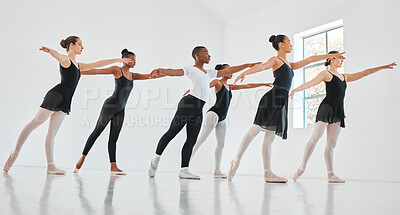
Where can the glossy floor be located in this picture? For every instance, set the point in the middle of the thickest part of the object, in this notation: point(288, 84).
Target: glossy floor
point(28, 190)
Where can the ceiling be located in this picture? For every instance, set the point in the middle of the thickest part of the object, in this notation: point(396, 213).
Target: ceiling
point(229, 10)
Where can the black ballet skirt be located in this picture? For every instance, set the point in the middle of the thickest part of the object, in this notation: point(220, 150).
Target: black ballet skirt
point(59, 98)
point(272, 112)
point(331, 109)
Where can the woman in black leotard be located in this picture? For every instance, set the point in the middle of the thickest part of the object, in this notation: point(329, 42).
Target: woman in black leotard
point(216, 115)
point(272, 111)
point(113, 109)
point(57, 102)
point(330, 115)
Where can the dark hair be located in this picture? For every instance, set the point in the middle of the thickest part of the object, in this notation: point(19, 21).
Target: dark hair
point(328, 61)
point(125, 53)
point(196, 50)
point(221, 66)
point(276, 39)
point(71, 39)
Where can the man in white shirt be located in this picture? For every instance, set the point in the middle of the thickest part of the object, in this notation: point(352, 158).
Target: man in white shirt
point(190, 107)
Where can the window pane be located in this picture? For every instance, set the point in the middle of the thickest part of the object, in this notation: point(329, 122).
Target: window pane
point(311, 106)
point(315, 45)
point(335, 40)
point(335, 43)
point(310, 73)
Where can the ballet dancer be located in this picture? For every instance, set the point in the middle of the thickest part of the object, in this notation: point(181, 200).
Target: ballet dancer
point(189, 111)
point(57, 102)
point(272, 111)
point(216, 115)
point(113, 109)
point(330, 115)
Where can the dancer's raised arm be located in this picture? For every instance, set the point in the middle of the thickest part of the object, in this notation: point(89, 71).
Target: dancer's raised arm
point(169, 72)
point(61, 58)
point(315, 58)
point(101, 63)
point(249, 86)
point(359, 75)
point(234, 69)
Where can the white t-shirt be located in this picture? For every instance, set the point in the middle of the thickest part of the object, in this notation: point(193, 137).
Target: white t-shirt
point(199, 81)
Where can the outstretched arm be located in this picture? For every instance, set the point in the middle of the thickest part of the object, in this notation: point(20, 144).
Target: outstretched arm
point(138, 76)
point(315, 58)
point(110, 70)
point(234, 69)
point(101, 63)
point(257, 68)
point(318, 79)
point(63, 59)
point(249, 86)
point(359, 75)
point(170, 72)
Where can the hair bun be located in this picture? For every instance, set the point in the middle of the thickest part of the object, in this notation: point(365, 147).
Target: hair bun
point(272, 38)
point(124, 51)
point(63, 44)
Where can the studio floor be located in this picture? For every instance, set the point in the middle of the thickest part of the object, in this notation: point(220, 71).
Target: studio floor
point(28, 190)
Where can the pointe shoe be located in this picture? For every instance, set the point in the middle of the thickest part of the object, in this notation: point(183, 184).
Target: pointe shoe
point(272, 178)
point(153, 168)
point(335, 179)
point(10, 161)
point(117, 173)
point(297, 175)
point(233, 168)
point(219, 175)
point(76, 170)
point(56, 172)
point(185, 174)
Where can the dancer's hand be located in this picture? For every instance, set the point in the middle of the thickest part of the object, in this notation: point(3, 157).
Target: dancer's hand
point(269, 84)
point(390, 66)
point(45, 49)
point(124, 60)
point(291, 94)
point(339, 55)
point(155, 73)
point(240, 77)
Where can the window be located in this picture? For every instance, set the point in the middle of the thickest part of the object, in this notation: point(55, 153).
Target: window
point(317, 42)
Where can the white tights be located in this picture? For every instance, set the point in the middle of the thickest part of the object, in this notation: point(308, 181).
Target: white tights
point(211, 122)
point(266, 149)
point(333, 131)
point(56, 119)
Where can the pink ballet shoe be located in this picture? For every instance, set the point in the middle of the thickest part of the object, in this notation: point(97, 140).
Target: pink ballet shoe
point(114, 173)
point(299, 172)
point(54, 170)
point(233, 168)
point(10, 161)
point(272, 178)
point(335, 179)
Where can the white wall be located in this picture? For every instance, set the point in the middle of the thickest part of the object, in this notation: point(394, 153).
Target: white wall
point(161, 33)
point(368, 147)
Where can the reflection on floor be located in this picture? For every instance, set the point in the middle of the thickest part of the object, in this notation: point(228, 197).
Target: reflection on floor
point(28, 190)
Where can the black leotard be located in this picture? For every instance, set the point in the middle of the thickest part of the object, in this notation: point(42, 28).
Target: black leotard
point(113, 110)
point(331, 109)
point(59, 98)
point(222, 103)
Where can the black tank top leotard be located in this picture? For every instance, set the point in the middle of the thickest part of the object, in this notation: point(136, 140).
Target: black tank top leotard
point(272, 109)
point(222, 103)
point(122, 90)
point(331, 109)
point(283, 76)
point(59, 98)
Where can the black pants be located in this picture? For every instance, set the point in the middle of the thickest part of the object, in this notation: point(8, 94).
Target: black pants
point(108, 113)
point(189, 113)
